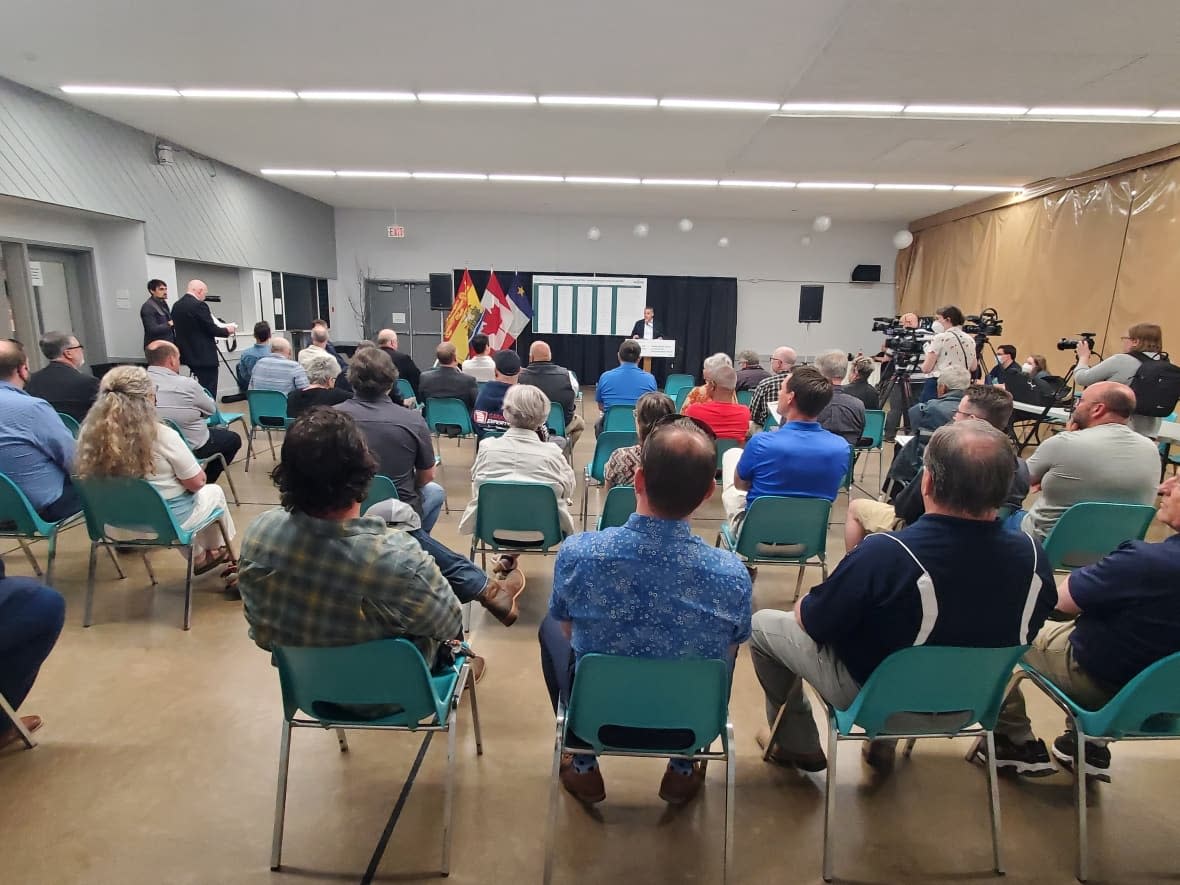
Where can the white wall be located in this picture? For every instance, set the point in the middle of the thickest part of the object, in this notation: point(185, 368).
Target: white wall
point(767, 258)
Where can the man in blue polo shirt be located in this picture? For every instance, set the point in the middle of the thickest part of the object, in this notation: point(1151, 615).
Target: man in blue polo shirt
point(909, 588)
point(625, 385)
point(799, 460)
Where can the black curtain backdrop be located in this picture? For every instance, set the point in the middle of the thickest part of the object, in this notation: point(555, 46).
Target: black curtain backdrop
point(700, 313)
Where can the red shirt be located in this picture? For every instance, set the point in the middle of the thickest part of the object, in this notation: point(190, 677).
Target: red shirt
point(728, 420)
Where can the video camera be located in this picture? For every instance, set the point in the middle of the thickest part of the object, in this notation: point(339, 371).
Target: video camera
point(1072, 343)
point(907, 344)
point(985, 324)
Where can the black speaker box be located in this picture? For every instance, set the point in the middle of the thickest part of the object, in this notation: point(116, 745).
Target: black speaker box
point(811, 304)
point(866, 273)
point(442, 292)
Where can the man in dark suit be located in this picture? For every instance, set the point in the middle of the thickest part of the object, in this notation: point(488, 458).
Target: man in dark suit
point(195, 331)
point(555, 381)
point(646, 327)
point(448, 379)
point(155, 315)
point(403, 362)
point(62, 383)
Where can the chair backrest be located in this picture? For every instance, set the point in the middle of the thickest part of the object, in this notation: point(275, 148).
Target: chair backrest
point(556, 419)
point(790, 529)
point(874, 427)
point(769, 424)
point(386, 672)
point(382, 488)
point(723, 446)
point(126, 502)
point(686, 695)
point(675, 382)
point(179, 432)
point(1087, 532)
point(680, 397)
point(1147, 705)
point(745, 397)
point(930, 679)
point(518, 507)
point(404, 389)
point(268, 408)
point(15, 507)
point(604, 447)
point(447, 411)
point(619, 418)
point(618, 507)
point(846, 483)
point(71, 424)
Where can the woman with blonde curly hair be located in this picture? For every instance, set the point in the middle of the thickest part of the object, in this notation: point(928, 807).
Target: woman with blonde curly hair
point(122, 436)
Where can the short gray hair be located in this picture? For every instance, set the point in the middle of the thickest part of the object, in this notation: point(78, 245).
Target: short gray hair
point(971, 466)
point(749, 358)
point(322, 368)
point(725, 377)
point(526, 406)
point(54, 344)
point(833, 365)
point(955, 378)
point(716, 361)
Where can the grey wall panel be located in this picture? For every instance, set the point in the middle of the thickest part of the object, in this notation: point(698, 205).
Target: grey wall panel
point(196, 209)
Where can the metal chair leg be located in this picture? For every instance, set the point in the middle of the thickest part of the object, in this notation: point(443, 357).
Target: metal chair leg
point(551, 825)
point(148, 565)
point(249, 448)
point(830, 800)
point(1079, 770)
point(188, 586)
point(798, 584)
point(270, 438)
point(778, 718)
point(342, 739)
point(87, 609)
point(449, 795)
point(909, 748)
point(993, 790)
point(233, 490)
point(276, 845)
point(474, 712)
point(24, 546)
point(730, 789)
point(52, 538)
point(24, 733)
point(114, 561)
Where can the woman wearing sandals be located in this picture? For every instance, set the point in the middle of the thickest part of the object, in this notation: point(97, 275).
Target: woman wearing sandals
point(122, 436)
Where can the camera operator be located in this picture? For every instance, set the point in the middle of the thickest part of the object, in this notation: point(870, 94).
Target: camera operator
point(950, 346)
point(1143, 341)
point(889, 359)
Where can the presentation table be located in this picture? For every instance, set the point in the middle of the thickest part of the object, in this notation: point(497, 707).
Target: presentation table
point(655, 348)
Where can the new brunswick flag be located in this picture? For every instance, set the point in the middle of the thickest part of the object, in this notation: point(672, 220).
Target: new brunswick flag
point(463, 316)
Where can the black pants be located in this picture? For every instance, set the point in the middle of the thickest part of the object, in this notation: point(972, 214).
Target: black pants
point(220, 440)
point(67, 505)
point(207, 376)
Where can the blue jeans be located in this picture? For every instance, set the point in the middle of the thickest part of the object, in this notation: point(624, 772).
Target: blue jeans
point(433, 496)
point(67, 505)
point(466, 580)
point(31, 616)
point(929, 390)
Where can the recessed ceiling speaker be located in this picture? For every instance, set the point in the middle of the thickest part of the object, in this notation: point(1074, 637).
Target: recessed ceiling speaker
point(866, 273)
point(442, 291)
point(811, 304)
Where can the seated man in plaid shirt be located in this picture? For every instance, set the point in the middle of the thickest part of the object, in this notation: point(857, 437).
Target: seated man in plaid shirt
point(317, 573)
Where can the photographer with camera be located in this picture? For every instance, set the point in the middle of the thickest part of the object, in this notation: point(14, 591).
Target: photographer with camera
point(950, 346)
point(901, 384)
point(1143, 366)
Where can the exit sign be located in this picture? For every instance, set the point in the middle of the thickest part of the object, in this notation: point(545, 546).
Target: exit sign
point(396, 231)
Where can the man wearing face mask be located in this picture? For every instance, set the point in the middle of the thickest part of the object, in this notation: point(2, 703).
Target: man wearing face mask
point(62, 383)
point(950, 346)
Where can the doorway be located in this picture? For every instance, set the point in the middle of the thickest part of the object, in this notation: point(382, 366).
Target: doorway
point(404, 306)
point(51, 290)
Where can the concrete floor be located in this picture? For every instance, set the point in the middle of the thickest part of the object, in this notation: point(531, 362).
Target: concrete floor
point(157, 764)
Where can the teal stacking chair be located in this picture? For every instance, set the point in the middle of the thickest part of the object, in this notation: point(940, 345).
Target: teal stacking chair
point(556, 419)
point(515, 517)
point(1146, 709)
point(875, 431)
point(19, 520)
point(1089, 531)
point(619, 418)
point(675, 382)
point(441, 412)
point(617, 508)
point(406, 391)
point(1166, 456)
point(680, 397)
point(944, 692)
point(847, 482)
point(745, 397)
point(26, 736)
point(205, 461)
point(769, 424)
point(71, 424)
point(723, 446)
point(782, 531)
point(595, 474)
point(225, 419)
point(687, 699)
point(268, 411)
point(382, 488)
point(327, 684)
point(134, 504)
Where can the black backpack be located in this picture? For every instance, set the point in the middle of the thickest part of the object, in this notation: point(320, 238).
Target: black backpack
point(1156, 386)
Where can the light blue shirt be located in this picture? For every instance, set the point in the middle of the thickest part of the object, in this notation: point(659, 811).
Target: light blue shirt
point(36, 450)
point(278, 373)
point(623, 386)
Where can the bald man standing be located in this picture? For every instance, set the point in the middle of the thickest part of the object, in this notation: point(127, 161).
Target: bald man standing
point(195, 331)
point(555, 381)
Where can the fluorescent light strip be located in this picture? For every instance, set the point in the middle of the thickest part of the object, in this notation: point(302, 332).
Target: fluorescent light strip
point(450, 176)
point(967, 110)
point(591, 101)
point(989, 188)
point(309, 173)
point(1167, 114)
point(741, 182)
point(529, 179)
point(914, 187)
point(134, 91)
point(361, 173)
point(330, 95)
point(710, 104)
point(835, 185)
point(596, 179)
point(682, 182)
point(1089, 112)
point(475, 98)
point(840, 107)
point(263, 94)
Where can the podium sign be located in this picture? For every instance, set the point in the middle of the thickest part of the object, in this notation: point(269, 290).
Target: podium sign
point(659, 348)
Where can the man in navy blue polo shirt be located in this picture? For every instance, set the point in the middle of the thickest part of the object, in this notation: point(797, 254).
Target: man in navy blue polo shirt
point(799, 460)
point(1128, 617)
point(919, 586)
point(625, 385)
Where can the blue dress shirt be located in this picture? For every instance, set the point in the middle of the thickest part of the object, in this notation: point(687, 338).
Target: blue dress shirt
point(36, 450)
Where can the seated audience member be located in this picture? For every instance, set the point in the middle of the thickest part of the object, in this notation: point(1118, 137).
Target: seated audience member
point(622, 386)
point(751, 373)
point(36, 450)
point(403, 362)
point(278, 371)
point(321, 346)
point(62, 383)
point(1143, 341)
point(448, 380)
point(728, 418)
point(479, 365)
point(1128, 617)
point(799, 460)
point(322, 372)
point(123, 437)
point(489, 403)
point(318, 573)
point(1006, 371)
point(647, 589)
point(1098, 458)
point(782, 363)
point(845, 414)
point(554, 380)
point(185, 402)
point(927, 417)
point(700, 393)
point(252, 354)
point(910, 588)
point(31, 617)
point(862, 370)
point(397, 436)
point(622, 463)
point(866, 516)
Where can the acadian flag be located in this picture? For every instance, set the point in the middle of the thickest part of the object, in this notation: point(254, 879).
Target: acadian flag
point(504, 317)
point(463, 316)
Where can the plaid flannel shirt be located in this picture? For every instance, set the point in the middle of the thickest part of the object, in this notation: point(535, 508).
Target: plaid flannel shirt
point(764, 394)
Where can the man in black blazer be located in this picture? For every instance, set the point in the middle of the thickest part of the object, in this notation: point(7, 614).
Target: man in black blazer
point(195, 331)
point(641, 329)
point(402, 361)
point(155, 315)
point(62, 383)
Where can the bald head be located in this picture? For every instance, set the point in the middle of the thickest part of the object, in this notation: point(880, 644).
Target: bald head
point(14, 363)
point(197, 289)
point(445, 354)
point(1107, 402)
point(969, 468)
point(539, 352)
point(163, 353)
point(782, 360)
point(280, 345)
point(387, 338)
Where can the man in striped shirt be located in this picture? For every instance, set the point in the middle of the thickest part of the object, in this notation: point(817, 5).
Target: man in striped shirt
point(278, 371)
point(782, 363)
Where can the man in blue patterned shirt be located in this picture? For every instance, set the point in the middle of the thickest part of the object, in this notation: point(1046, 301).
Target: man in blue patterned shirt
point(650, 588)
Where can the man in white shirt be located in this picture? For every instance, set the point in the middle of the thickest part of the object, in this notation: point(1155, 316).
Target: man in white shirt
point(646, 328)
point(480, 366)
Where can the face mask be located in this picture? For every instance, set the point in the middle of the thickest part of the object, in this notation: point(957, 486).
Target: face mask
point(937, 327)
point(1028, 368)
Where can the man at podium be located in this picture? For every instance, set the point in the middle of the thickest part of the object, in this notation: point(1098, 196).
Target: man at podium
point(646, 327)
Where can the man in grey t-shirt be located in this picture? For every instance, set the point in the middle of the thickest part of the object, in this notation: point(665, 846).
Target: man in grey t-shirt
point(1098, 458)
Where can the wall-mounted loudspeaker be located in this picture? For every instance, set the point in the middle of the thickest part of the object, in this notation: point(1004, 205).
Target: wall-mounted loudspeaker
point(866, 273)
point(811, 304)
point(442, 291)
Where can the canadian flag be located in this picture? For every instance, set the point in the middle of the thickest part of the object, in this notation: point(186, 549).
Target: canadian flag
point(503, 318)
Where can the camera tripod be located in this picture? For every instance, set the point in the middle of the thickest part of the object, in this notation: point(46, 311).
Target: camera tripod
point(885, 392)
point(1067, 383)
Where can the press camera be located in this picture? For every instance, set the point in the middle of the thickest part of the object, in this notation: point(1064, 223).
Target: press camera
point(907, 344)
point(1072, 343)
point(986, 323)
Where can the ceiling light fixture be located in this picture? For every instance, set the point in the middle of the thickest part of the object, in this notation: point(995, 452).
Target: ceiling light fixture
point(743, 182)
point(1167, 114)
point(599, 179)
point(914, 187)
point(711, 104)
point(969, 110)
point(310, 173)
point(681, 182)
point(840, 107)
point(475, 98)
point(136, 91)
point(263, 94)
point(603, 101)
point(835, 185)
point(1089, 112)
point(361, 173)
point(990, 188)
point(339, 95)
point(450, 176)
point(537, 179)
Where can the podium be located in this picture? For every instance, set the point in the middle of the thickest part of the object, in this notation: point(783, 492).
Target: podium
point(655, 348)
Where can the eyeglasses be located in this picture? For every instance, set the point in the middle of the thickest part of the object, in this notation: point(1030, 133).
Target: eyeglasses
point(75, 347)
point(967, 416)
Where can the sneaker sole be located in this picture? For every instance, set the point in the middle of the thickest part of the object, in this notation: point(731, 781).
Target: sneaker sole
point(1024, 769)
point(1092, 771)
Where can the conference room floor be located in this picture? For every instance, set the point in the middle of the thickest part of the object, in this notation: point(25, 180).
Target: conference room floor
point(158, 758)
